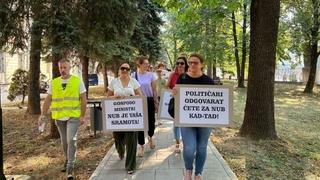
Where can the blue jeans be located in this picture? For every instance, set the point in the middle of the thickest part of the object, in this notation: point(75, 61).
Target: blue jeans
point(177, 133)
point(195, 142)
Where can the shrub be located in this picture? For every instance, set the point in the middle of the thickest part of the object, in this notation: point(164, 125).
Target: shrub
point(19, 85)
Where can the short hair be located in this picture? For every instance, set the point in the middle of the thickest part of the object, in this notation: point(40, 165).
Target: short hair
point(140, 59)
point(197, 56)
point(64, 60)
point(160, 65)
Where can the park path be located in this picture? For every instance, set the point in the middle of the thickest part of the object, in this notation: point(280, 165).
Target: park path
point(161, 163)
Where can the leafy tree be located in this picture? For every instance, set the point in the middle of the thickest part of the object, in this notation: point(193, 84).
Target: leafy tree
point(14, 36)
point(259, 121)
point(302, 22)
point(313, 45)
point(202, 26)
point(145, 36)
point(18, 85)
point(37, 12)
point(103, 26)
point(240, 66)
point(12, 32)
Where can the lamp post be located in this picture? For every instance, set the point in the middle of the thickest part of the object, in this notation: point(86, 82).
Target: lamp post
point(1, 142)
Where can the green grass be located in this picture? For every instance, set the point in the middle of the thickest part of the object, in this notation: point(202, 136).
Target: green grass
point(295, 155)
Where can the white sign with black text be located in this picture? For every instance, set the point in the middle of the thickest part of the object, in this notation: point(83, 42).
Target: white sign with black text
point(203, 106)
point(165, 97)
point(125, 114)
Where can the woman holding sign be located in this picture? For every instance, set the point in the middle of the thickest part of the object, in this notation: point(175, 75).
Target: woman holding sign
point(119, 87)
point(180, 68)
point(195, 139)
point(148, 88)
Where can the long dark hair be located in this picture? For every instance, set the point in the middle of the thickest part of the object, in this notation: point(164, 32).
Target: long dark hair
point(118, 70)
point(186, 66)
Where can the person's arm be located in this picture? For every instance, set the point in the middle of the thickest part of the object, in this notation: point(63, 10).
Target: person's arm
point(83, 105)
point(169, 80)
point(136, 87)
point(110, 93)
point(45, 107)
point(137, 92)
point(155, 95)
point(174, 90)
point(112, 87)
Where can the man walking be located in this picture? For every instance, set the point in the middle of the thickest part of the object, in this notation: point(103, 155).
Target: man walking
point(67, 97)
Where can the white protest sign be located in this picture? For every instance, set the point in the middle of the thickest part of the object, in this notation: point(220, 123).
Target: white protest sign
point(125, 114)
point(164, 104)
point(203, 106)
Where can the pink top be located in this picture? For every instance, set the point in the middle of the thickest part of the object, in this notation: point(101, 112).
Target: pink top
point(174, 79)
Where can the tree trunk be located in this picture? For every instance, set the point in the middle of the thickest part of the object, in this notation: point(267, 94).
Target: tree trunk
point(205, 45)
point(175, 50)
point(259, 121)
point(214, 71)
point(213, 67)
point(244, 47)
point(34, 69)
point(105, 77)
point(23, 97)
point(236, 51)
point(306, 54)
point(313, 48)
point(170, 60)
point(54, 133)
point(84, 59)
point(56, 56)
point(209, 73)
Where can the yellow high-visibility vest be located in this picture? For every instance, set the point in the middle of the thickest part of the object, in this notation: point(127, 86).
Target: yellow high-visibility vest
point(65, 103)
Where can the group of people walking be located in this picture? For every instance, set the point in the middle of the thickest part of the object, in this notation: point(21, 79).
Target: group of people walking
point(67, 97)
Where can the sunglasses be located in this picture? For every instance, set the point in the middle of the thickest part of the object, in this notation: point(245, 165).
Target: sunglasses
point(181, 63)
point(124, 68)
point(193, 62)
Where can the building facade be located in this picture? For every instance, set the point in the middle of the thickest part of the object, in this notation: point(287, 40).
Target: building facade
point(9, 63)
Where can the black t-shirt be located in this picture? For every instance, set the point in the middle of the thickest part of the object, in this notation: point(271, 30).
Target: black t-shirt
point(202, 80)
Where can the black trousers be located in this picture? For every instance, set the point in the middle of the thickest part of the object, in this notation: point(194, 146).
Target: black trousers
point(151, 121)
point(127, 141)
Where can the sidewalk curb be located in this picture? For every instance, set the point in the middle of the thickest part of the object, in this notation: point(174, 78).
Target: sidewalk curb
point(223, 163)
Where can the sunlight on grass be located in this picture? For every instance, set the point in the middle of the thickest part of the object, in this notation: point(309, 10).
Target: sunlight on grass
point(96, 92)
point(295, 155)
point(42, 161)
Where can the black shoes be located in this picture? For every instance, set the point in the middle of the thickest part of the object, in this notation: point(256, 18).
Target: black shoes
point(121, 156)
point(70, 174)
point(64, 168)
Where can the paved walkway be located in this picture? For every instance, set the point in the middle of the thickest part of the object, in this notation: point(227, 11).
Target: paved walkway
point(161, 163)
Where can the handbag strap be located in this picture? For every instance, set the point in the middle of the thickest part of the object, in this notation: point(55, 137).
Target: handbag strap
point(136, 75)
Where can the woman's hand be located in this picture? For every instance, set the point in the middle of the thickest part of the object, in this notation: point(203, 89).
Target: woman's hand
point(119, 96)
point(156, 107)
point(174, 91)
point(41, 120)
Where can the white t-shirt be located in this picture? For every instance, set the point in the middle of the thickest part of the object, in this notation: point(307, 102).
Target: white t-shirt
point(82, 88)
point(118, 89)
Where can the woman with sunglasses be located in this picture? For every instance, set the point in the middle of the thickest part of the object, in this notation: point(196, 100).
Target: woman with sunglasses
point(148, 88)
point(120, 87)
point(181, 67)
point(195, 139)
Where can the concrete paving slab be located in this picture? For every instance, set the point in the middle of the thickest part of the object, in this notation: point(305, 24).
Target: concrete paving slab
point(161, 163)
